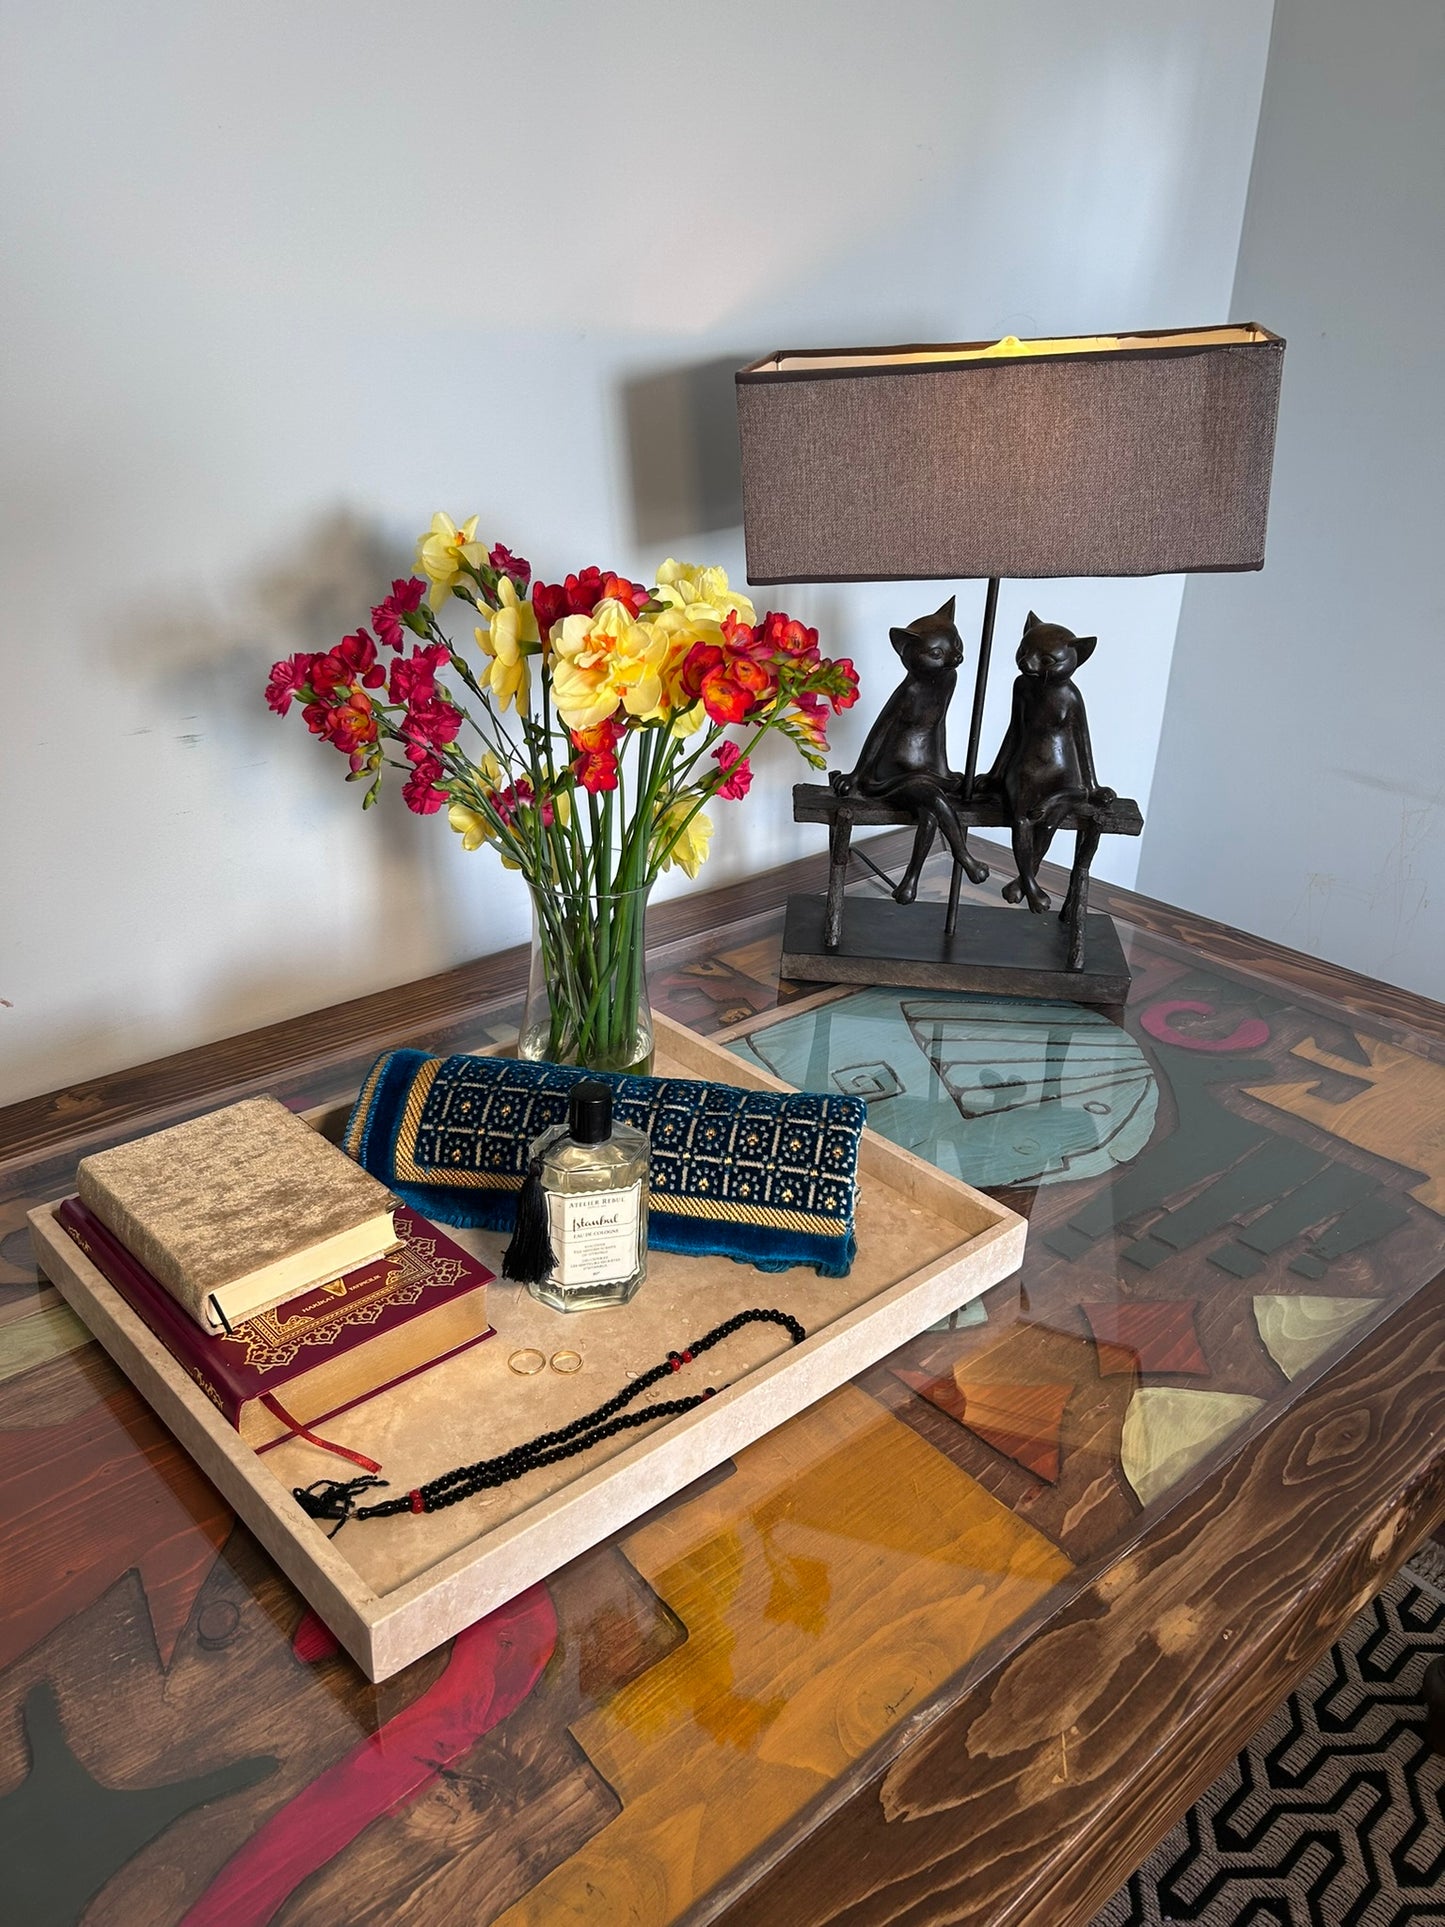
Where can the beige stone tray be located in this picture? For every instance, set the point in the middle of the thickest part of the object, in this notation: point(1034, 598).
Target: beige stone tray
point(393, 1589)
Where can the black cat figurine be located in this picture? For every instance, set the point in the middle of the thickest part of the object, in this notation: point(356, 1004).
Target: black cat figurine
point(905, 758)
point(1044, 770)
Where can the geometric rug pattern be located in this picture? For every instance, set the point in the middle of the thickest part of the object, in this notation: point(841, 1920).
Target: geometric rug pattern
point(1334, 1814)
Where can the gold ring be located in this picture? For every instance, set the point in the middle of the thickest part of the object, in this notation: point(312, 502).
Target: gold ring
point(566, 1361)
point(527, 1362)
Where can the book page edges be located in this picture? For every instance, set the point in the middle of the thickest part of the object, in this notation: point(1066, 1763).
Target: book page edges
point(300, 1271)
point(340, 1385)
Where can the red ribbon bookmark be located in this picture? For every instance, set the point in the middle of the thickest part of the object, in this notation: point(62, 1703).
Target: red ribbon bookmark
point(278, 1410)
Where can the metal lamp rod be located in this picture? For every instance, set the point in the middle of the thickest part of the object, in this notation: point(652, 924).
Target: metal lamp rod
point(980, 688)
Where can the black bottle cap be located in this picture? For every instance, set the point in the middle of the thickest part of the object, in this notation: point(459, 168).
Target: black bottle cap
point(589, 1112)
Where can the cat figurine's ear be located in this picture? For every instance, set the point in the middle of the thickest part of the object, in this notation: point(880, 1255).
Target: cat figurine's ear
point(900, 638)
point(1084, 647)
point(1031, 623)
point(945, 614)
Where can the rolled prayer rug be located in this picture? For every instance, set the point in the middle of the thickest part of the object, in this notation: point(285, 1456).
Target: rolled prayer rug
point(768, 1178)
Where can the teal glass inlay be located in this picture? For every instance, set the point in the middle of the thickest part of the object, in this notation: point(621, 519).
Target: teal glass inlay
point(992, 1091)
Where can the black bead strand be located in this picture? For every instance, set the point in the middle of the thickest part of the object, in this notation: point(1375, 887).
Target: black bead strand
point(336, 1500)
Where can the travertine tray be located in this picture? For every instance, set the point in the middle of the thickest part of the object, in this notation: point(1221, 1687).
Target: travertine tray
point(393, 1589)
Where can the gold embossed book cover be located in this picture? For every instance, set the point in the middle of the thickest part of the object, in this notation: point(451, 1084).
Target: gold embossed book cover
point(307, 1362)
point(239, 1210)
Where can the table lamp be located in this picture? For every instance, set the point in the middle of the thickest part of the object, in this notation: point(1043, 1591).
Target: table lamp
point(1101, 455)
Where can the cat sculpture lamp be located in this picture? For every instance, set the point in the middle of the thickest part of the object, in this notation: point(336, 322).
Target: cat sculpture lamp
point(1100, 455)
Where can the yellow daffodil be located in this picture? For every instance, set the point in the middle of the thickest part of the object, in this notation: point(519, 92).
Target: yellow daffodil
point(687, 722)
point(442, 552)
point(701, 593)
point(605, 661)
point(470, 826)
point(689, 852)
point(509, 637)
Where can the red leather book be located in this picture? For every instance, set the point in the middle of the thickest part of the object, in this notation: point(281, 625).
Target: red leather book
point(304, 1363)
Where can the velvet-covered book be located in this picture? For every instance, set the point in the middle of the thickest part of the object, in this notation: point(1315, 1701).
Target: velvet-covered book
point(303, 1364)
point(239, 1209)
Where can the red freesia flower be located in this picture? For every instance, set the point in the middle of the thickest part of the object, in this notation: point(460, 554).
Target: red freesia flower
point(330, 673)
point(351, 723)
point(432, 721)
point(596, 767)
point(358, 653)
point(742, 638)
point(737, 770)
point(782, 635)
point(842, 684)
point(579, 595)
point(604, 735)
point(419, 791)
point(632, 595)
point(414, 677)
point(596, 770)
point(731, 684)
point(505, 563)
point(287, 678)
point(388, 617)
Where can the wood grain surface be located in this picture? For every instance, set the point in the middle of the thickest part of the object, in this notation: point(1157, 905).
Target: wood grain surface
point(921, 1656)
point(1033, 1794)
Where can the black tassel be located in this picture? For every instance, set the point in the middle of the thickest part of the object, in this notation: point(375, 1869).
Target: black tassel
point(332, 1499)
point(529, 1257)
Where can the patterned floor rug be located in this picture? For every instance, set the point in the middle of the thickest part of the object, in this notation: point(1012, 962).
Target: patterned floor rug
point(1334, 1814)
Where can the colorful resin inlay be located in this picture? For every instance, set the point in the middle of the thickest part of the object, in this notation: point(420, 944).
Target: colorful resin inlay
point(1226, 1190)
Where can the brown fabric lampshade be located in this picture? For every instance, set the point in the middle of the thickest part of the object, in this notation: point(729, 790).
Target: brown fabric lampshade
point(1142, 454)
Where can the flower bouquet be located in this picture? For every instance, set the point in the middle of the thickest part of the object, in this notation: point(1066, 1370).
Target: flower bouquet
point(584, 731)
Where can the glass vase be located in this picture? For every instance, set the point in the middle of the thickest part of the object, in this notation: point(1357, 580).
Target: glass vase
point(587, 987)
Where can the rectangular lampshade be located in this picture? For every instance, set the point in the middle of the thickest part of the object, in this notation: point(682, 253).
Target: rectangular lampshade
point(1141, 454)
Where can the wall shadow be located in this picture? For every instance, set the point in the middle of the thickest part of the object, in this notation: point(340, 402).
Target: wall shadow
point(682, 445)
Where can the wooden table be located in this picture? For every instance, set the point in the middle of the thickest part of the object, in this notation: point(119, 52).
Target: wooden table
point(925, 1653)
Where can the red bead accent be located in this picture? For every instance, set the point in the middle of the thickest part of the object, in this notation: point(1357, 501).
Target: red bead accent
point(418, 1504)
point(687, 1358)
point(674, 1363)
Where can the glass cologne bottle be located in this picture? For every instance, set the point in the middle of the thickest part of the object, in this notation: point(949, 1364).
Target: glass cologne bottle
point(593, 1176)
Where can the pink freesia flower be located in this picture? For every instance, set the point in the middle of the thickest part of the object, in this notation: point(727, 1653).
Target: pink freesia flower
point(737, 770)
point(388, 618)
point(812, 719)
point(414, 677)
point(432, 721)
point(286, 679)
point(505, 563)
point(419, 791)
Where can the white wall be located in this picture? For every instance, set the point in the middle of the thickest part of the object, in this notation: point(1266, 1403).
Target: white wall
point(282, 279)
point(1301, 782)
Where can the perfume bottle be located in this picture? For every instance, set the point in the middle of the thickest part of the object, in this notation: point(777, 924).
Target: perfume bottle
point(592, 1175)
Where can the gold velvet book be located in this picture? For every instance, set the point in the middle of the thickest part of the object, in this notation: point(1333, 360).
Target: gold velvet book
point(239, 1210)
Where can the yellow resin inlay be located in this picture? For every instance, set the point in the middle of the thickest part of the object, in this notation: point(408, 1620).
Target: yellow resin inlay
point(841, 1575)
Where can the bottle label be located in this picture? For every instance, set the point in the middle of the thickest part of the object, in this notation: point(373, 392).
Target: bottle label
point(594, 1236)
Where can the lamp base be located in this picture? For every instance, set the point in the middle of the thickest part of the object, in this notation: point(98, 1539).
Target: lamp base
point(1006, 952)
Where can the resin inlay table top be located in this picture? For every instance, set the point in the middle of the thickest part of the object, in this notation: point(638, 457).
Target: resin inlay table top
point(958, 1642)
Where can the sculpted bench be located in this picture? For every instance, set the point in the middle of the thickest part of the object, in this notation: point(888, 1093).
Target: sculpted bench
point(1074, 955)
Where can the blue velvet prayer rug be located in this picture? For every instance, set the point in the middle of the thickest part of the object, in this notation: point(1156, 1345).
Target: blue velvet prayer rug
point(769, 1179)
